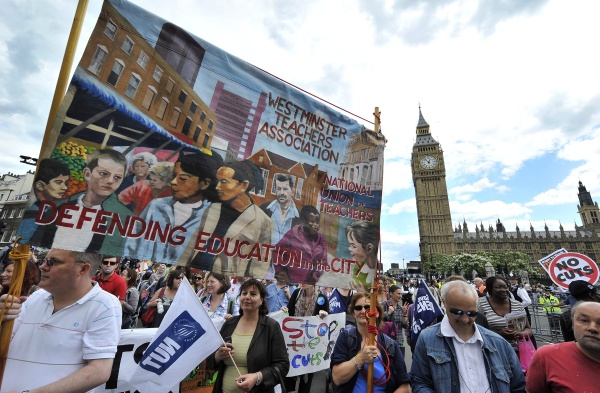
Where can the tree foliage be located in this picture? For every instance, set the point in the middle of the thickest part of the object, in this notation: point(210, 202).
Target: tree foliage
point(466, 262)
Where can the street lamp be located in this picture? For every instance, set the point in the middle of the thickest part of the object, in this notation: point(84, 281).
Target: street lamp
point(29, 160)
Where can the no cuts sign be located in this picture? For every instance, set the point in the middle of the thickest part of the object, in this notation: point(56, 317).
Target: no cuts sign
point(572, 266)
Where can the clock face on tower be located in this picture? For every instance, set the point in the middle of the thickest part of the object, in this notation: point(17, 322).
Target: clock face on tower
point(428, 162)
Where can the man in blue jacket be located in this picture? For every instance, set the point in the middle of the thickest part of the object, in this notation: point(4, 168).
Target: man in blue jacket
point(456, 355)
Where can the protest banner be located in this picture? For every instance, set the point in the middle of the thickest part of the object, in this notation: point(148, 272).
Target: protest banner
point(572, 266)
point(545, 261)
point(178, 152)
point(310, 340)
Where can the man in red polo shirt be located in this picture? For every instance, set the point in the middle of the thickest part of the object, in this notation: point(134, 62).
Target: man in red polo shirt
point(109, 280)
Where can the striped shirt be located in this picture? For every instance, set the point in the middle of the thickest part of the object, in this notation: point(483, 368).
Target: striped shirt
point(241, 343)
point(497, 322)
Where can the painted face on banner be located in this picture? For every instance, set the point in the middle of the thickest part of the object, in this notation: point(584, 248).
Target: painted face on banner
point(357, 251)
point(140, 169)
point(312, 225)
point(185, 187)
point(53, 190)
point(157, 183)
point(227, 187)
point(105, 178)
point(283, 191)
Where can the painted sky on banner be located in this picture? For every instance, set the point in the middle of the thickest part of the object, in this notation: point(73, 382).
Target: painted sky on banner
point(124, 71)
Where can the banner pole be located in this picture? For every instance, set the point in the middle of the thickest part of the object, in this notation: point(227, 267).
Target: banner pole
point(65, 70)
point(374, 290)
point(20, 254)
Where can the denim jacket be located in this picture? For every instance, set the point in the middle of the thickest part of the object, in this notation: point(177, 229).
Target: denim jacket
point(434, 363)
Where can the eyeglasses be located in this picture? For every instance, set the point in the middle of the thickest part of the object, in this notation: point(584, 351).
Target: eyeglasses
point(459, 313)
point(359, 308)
point(199, 278)
point(50, 262)
point(109, 263)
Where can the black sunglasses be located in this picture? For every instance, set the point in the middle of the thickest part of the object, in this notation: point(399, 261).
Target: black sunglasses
point(459, 313)
point(199, 278)
point(359, 308)
point(109, 263)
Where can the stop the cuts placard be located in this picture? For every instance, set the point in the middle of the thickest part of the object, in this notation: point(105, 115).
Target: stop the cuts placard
point(572, 266)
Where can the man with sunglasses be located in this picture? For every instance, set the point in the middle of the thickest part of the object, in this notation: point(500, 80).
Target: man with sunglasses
point(110, 281)
point(457, 355)
point(66, 334)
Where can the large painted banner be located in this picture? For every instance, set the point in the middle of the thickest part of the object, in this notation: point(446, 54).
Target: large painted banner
point(167, 148)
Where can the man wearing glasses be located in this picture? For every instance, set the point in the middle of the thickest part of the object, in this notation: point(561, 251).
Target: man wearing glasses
point(65, 336)
point(110, 281)
point(458, 352)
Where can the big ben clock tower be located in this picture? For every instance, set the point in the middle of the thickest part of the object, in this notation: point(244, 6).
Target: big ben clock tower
point(431, 193)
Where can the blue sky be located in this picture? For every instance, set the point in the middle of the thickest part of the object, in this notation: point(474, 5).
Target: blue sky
point(509, 89)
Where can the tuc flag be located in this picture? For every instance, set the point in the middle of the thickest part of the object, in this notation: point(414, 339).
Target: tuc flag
point(425, 312)
point(184, 339)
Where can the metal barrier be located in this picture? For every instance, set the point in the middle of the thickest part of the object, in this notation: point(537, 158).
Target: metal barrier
point(545, 325)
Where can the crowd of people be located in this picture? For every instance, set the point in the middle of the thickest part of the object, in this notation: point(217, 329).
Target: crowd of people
point(472, 347)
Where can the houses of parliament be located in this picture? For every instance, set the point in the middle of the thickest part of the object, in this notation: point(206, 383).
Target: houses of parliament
point(438, 235)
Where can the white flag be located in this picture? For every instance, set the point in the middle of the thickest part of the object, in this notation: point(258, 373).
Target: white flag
point(184, 339)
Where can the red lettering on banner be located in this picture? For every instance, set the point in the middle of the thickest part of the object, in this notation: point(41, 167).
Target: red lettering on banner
point(63, 214)
point(288, 329)
point(100, 221)
point(39, 218)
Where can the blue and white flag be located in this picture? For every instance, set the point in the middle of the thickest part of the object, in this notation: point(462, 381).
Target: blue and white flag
point(183, 340)
point(425, 312)
point(336, 302)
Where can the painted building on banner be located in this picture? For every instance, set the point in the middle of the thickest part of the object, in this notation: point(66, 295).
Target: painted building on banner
point(157, 80)
point(307, 178)
point(438, 234)
point(363, 162)
point(238, 120)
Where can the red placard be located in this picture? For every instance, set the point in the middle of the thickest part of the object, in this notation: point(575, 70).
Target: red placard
point(572, 266)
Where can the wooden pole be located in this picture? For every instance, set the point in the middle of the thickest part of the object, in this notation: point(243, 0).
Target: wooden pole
point(20, 254)
point(373, 299)
point(65, 70)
